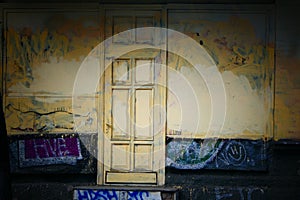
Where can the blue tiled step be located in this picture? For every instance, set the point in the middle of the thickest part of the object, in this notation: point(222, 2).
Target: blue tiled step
point(124, 193)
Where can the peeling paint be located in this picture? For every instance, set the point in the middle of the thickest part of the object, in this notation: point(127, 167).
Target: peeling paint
point(244, 58)
point(48, 115)
point(55, 43)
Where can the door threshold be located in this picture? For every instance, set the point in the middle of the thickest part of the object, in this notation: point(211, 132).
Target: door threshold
point(127, 188)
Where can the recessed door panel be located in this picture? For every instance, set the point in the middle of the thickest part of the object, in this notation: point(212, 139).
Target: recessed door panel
point(143, 114)
point(144, 71)
point(120, 157)
point(143, 157)
point(143, 36)
point(121, 72)
point(120, 114)
point(121, 24)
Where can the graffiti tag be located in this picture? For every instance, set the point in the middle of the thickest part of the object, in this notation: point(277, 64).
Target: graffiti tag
point(105, 194)
point(45, 151)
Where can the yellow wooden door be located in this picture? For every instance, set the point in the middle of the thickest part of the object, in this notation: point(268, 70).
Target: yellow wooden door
point(134, 111)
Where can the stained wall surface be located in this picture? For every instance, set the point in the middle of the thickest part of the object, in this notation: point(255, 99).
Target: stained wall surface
point(287, 70)
point(43, 49)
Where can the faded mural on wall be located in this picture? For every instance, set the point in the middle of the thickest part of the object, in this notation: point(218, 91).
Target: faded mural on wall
point(244, 56)
point(49, 114)
point(45, 50)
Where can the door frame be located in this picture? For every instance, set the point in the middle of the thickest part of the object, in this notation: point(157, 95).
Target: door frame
point(101, 97)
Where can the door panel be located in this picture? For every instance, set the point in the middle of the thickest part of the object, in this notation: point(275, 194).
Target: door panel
point(144, 36)
point(120, 114)
point(121, 73)
point(143, 119)
point(120, 157)
point(143, 157)
point(121, 24)
point(144, 71)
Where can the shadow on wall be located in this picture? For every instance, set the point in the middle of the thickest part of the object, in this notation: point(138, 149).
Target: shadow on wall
point(5, 186)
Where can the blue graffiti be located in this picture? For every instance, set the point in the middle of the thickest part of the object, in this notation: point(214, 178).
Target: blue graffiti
point(103, 194)
point(229, 154)
point(137, 195)
point(243, 193)
point(90, 194)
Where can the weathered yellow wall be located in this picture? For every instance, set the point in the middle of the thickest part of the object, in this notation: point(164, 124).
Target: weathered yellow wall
point(244, 57)
point(45, 49)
